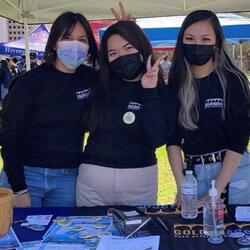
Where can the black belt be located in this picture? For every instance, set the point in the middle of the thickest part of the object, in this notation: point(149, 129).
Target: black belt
point(205, 158)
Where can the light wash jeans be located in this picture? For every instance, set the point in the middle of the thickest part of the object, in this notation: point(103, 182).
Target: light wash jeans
point(48, 187)
point(239, 185)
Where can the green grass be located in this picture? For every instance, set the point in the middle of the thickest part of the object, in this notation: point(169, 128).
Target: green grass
point(166, 183)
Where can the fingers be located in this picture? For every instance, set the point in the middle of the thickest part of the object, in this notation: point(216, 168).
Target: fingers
point(153, 69)
point(157, 63)
point(130, 17)
point(115, 14)
point(200, 204)
point(123, 11)
point(149, 63)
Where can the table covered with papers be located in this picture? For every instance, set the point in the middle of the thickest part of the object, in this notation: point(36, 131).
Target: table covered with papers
point(79, 226)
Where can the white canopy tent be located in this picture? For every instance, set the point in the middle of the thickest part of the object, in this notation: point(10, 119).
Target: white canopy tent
point(41, 11)
point(45, 11)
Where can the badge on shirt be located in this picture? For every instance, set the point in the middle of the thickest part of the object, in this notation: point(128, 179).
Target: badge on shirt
point(129, 117)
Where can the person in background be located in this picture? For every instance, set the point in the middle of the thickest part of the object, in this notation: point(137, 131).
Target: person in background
point(33, 61)
point(21, 63)
point(213, 118)
point(42, 118)
point(165, 65)
point(132, 113)
point(5, 78)
point(13, 68)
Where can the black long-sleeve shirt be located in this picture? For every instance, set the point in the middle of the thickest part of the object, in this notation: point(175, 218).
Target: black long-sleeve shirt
point(132, 145)
point(214, 133)
point(42, 121)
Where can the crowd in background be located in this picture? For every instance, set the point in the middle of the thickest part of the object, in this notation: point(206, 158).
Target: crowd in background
point(11, 67)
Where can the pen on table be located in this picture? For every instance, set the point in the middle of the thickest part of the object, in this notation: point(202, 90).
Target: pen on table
point(163, 224)
point(138, 228)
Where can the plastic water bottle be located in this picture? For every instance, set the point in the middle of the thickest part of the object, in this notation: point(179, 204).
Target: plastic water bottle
point(213, 217)
point(189, 204)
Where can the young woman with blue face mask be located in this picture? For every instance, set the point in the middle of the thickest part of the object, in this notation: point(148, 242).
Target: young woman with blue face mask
point(213, 118)
point(42, 118)
point(132, 113)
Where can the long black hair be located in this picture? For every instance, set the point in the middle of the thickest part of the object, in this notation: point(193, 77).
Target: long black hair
point(181, 76)
point(132, 33)
point(63, 26)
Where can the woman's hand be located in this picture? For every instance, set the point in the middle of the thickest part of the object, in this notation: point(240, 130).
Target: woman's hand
point(150, 78)
point(202, 200)
point(123, 15)
point(177, 201)
point(22, 200)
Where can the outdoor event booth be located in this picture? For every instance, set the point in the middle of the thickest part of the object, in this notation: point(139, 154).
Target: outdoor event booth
point(37, 41)
point(163, 31)
point(45, 11)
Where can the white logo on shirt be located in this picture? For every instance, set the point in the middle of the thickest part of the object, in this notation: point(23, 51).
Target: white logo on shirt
point(83, 94)
point(134, 106)
point(214, 103)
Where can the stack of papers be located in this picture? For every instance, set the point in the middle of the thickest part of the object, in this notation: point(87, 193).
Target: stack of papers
point(242, 213)
point(143, 243)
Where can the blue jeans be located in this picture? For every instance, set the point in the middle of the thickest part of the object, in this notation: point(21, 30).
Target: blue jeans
point(239, 185)
point(48, 187)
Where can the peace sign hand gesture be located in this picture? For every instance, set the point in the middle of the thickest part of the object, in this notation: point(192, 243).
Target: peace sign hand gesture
point(123, 15)
point(150, 78)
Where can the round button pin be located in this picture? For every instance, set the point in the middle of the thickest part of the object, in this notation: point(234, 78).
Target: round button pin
point(36, 227)
point(236, 235)
point(244, 241)
point(129, 117)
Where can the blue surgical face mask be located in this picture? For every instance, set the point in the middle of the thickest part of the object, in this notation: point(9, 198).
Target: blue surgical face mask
point(72, 53)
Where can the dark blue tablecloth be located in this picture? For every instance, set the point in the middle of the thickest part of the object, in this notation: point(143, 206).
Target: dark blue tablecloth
point(182, 234)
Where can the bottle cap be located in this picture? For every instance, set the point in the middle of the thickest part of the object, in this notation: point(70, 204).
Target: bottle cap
point(189, 171)
point(212, 190)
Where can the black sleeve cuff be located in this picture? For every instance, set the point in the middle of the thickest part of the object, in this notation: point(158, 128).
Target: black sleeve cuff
point(238, 144)
point(15, 179)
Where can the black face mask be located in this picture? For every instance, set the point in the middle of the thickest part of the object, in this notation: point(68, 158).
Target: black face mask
point(128, 66)
point(197, 54)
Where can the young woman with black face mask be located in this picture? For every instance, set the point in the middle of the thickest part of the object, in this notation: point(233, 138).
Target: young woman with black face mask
point(42, 117)
point(213, 111)
point(132, 114)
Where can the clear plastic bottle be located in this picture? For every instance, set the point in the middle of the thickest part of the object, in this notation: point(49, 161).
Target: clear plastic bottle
point(213, 216)
point(189, 203)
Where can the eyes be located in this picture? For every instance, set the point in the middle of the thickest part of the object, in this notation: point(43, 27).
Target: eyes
point(127, 49)
point(201, 40)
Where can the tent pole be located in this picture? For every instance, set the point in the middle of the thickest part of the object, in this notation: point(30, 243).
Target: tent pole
point(26, 38)
point(241, 59)
point(233, 52)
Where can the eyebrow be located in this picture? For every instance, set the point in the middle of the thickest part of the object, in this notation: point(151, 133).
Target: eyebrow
point(126, 44)
point(81, 36)
point(189, 34)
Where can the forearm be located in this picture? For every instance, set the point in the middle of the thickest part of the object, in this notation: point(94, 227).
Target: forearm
point(176, 162)
point(230, 164)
